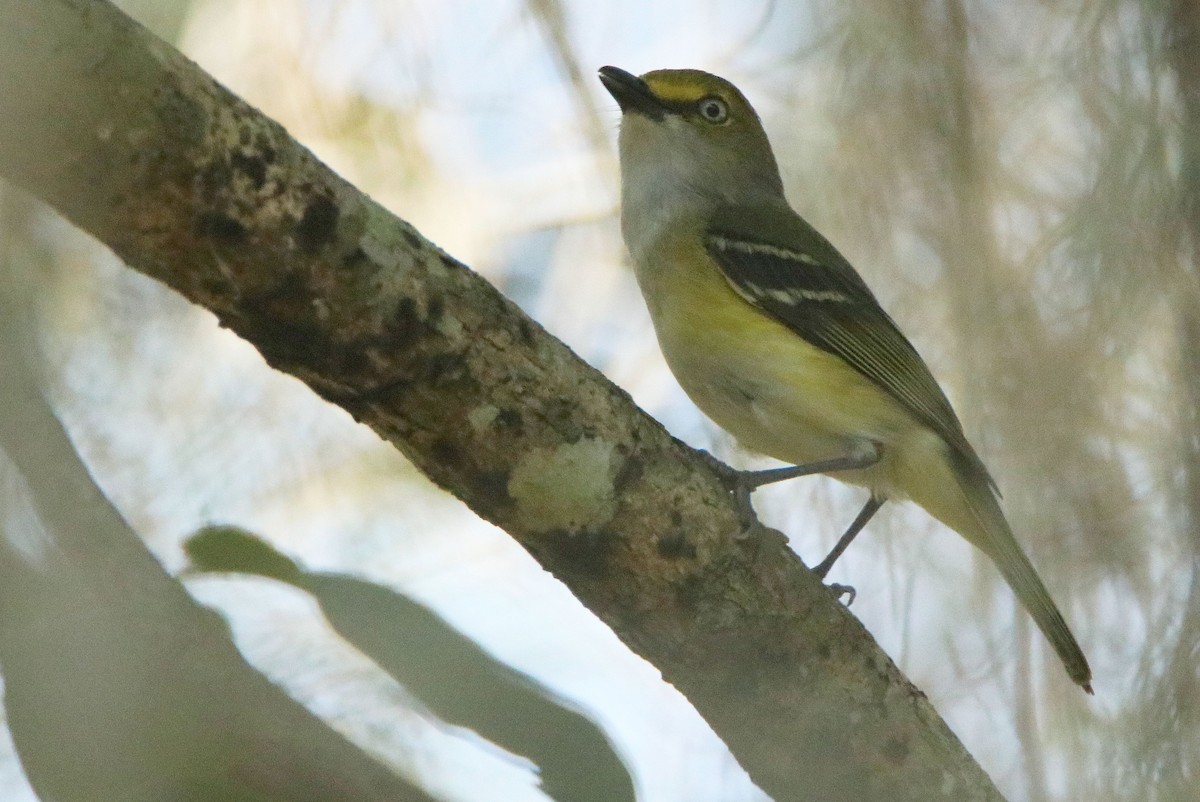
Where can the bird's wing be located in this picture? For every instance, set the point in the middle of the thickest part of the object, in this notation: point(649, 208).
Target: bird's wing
point(781, 265)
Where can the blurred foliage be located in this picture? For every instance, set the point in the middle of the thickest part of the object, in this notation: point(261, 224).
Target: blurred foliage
point(459, 682)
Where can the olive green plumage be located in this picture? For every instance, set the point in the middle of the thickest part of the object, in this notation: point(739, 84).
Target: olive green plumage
point(774, 335)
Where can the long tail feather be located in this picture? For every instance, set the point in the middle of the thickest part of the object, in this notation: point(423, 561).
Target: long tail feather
point(995, 538)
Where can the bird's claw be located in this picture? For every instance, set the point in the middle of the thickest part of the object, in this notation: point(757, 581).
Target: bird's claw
point(843, 590)
point(737, 486)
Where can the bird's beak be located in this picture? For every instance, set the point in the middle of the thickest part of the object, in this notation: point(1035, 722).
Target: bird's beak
point(631, 93)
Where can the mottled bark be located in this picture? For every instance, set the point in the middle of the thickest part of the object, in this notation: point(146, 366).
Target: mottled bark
point(190, 185)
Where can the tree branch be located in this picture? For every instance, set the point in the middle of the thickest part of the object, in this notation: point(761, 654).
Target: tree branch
point(188, 184)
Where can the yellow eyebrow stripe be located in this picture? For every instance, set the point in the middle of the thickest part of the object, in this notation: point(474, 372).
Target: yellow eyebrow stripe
point(677, 90)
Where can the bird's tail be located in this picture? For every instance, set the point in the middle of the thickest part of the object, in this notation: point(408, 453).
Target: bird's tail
point(977, 516)
point(988, 529)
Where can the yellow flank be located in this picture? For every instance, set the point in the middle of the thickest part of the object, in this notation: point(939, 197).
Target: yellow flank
point(780, 395)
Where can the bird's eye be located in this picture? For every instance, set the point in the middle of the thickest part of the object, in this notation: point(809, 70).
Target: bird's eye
point(713, 109)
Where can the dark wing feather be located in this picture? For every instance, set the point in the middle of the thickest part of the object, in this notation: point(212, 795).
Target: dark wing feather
point(797, 277)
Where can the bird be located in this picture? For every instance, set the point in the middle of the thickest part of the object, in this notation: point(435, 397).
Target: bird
point(776, 338)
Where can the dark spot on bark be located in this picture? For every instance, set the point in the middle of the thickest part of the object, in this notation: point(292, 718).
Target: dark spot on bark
point(406, 326)
point(221, 227)
point(354, 258)
point(412, 238)
point(631, 470)
point(214, 176)
point(490, 490)
point(214, 287)
point(447, 453)
point(510, 420)
point(895, 750)
point(526, 331)
point(676, 546)
point(437, 307)
point(560, 415)
point(358, 412)
point(676, 518)
point(284, 342)
point(444, 367)
point(350, 401)
point(252, 167)
point(186, 119)
point(265, 148)
point(584, 554)
point(318, 224)
point(355, 361)
point(279, 321)
point(290, 296)
point(378, 393)
point(244, 136)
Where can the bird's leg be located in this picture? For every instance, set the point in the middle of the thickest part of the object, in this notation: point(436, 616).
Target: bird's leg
point(743, 483)
point(864, 458)
point(869, 509)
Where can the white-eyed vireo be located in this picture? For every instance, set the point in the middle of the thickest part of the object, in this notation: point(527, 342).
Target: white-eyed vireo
point(775, 336)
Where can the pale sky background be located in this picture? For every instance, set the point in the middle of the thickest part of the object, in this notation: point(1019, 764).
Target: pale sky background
point(488, 155)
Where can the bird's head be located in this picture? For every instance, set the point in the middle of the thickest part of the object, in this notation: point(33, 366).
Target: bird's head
point(689, 133)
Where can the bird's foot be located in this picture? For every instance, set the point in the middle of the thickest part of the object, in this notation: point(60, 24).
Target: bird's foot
point(740, 485)
point(843, 590)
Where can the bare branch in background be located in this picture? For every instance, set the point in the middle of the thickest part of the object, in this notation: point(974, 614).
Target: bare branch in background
point(552, 18)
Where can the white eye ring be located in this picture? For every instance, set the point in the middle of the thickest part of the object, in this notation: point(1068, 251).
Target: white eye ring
point(713, 109)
